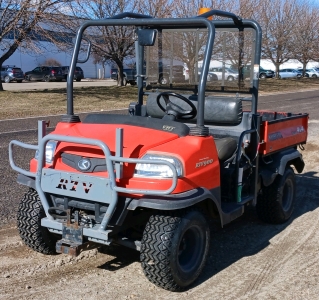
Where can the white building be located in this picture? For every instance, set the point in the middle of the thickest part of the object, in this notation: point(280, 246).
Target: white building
point(291, 63)
point(28, 61)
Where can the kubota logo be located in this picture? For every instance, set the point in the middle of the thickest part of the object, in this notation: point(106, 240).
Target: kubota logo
point(84, 164)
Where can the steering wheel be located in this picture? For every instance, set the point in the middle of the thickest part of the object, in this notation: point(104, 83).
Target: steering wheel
point(175, 110)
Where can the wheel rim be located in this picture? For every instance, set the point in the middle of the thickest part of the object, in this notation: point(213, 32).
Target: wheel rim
point(191, 249)
point(287, 195)
point(230, 78)
point(163, 80)
point(6, 79)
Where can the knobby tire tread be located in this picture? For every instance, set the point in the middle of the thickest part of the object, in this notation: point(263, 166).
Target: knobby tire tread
point(157, 248)
point(30, 213)
point(268, 205)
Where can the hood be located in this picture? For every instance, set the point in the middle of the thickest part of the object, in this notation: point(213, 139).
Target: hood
point(136, 139)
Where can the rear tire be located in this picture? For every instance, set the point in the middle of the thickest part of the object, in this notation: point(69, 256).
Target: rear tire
point(30, 213)
point(230, 78)
point(174, 248)
point(163, 80)
point(46, 78)
point(7, 79)
point(19, 81)
point(78, 79)
point(276, 203)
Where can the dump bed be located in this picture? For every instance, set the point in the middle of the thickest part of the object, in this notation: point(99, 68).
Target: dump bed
point(280, 130)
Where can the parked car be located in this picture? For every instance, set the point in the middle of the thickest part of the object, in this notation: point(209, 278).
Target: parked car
point(177, 72)
point(230, 75)
point(263, 73)
point(313, 72)
point(11, 73)
point(186, 73)
point(156, 75)
point(78, 73)
point(246, 72)
point(211, 77)
point(290, 73)
point(44, 73)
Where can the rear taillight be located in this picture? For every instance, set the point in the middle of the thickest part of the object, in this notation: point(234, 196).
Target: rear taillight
point(53, 71)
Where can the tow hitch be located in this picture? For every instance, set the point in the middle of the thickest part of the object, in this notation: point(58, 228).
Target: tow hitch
point(72, 237)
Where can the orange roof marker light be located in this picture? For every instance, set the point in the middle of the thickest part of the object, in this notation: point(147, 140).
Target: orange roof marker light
point(204, 10)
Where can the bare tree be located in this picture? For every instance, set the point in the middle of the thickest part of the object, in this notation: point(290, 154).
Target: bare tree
point(51, 62)
point(278, 22)
point(24, 22)
point(156, 8)
point(306, 34)
point(112, 43)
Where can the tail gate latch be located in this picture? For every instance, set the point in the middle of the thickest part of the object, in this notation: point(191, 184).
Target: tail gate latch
point(72, 237)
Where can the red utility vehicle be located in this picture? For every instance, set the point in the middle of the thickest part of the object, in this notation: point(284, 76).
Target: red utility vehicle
point(153, 179)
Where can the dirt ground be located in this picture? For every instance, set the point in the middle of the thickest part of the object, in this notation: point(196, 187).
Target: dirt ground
point(248, 259)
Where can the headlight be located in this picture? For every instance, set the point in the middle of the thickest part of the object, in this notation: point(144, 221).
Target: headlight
point(155, 170)
point(49, 151)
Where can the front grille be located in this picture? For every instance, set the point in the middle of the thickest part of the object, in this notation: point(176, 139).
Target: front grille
point(96, 164)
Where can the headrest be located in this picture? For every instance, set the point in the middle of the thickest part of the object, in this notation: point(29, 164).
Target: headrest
point(218, 110)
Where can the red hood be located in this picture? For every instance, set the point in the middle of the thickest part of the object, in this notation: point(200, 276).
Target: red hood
point(136, 140)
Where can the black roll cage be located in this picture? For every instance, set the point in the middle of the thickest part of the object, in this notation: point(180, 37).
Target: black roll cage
point(144, 21)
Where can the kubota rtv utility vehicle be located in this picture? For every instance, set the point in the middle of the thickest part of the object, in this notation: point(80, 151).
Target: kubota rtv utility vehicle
point(187, 152)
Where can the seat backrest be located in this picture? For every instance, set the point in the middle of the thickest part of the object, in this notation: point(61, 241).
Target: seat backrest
point(218, 110)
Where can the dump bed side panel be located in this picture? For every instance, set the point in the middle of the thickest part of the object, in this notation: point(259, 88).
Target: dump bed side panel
point(282, 130)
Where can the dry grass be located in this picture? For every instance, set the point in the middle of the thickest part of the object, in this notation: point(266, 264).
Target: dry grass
point(53, 101)
point(287, 85)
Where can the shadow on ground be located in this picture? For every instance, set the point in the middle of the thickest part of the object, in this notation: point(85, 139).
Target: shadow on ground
point(243, 237)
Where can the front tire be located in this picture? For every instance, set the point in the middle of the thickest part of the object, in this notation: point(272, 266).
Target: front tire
point(174, 248)
point(276, 202)
point(7, 79)
point(263, 76)
point(30, 213)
